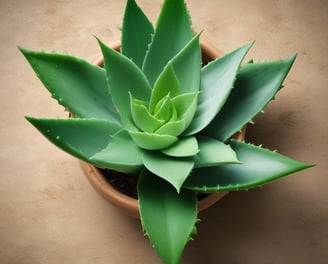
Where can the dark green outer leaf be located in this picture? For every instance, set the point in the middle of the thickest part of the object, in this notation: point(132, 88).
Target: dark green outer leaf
point(137, 33)
point(259, 166)
point(81, 138)
point(217, 80)
point(173, 31)
point(167, 217)
point(124, 77)
point(77, 85)
point(256, 85)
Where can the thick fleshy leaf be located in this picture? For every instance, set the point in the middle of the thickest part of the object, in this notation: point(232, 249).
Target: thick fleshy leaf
point(81, 138)
point(173, 170)
point(76, 84)
point(173, 31)
point(216, 84)
point(259, 166)
point(152, 141)
point(142, 118)
point(256, 85)
point(213, 153)
point(168, 218)
point(137, 33)
point(124, 77)
point(185, 147)
point(164, 109)
point(121, 154)
point(186, 105)
point(166, 84)
point(173, 128)
point(187, 68)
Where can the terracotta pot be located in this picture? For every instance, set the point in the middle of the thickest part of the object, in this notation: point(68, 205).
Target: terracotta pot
point(125, 203)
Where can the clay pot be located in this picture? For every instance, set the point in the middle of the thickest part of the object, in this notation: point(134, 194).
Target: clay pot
point(125, 203)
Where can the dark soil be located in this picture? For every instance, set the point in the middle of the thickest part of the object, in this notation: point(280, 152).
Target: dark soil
point(124, 183)
point(127, 183)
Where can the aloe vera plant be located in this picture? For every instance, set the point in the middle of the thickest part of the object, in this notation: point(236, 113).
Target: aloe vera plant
point(155, 111)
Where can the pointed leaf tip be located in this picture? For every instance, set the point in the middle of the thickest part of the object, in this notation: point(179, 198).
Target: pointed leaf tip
point(217, 79)
point(259, 167)
point(124, 76)
point(75, 83)
point(255, 86)
point(173, 31)
point(171, 169)
point(137, 33)
point(81, 138)
point(168, 218)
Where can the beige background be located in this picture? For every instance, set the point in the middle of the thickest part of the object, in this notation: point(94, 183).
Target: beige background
point(50, 214)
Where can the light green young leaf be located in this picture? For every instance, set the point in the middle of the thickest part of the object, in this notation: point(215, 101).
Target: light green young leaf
point(186, 105)
point(173, 170)
point(168, 218)
point(124, 77)
point(166, 83)
point(142, 118)
point(76, 84)
point(137, 33)
point(81, 138)
point(256, 85)
point(213, 153)
point(259, 166)
point(152, 141)
point(164, 109)
point(184, 147)
point(216, 84)
point(121, 154)
point(173, 31)
point(173, 128)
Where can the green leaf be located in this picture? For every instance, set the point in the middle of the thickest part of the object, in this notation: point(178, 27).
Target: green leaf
point(173, 128)
point(137, 33)
point(187, 66)
point(256, 85)
point(166, 84)
point(76, 84)
point(164, 109)
point(171, 169)
point(184, 147)
point(186, 105)
point(173, 31)
point(152, 141)
point(168, 218)
point(121, 154)
point(259, 166)
point(81, 138)
point(124, 77)
point(142, 118)
point(214, 153)
point(216, 84)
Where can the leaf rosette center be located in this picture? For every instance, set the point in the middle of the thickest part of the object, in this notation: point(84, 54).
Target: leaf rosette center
point(160, 121)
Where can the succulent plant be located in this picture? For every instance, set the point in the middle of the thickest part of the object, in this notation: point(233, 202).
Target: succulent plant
point(156, 111)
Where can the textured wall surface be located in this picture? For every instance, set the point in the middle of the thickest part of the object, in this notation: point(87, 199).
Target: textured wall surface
point(50, 214)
